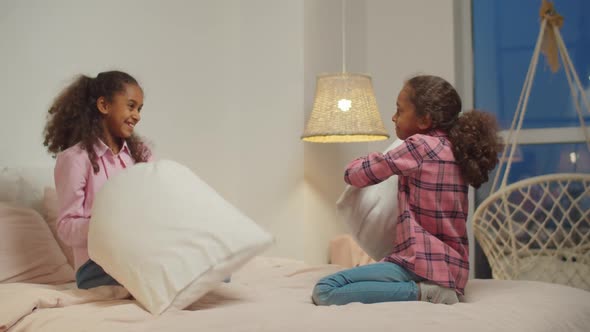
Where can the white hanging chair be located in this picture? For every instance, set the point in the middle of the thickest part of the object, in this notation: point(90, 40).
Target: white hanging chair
point(539, 228)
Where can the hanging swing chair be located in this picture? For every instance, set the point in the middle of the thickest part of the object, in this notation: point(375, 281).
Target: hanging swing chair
point(539, 228)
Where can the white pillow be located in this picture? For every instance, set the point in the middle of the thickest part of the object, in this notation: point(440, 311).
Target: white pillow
point(167, 236)
point(371, 214)
point(28, 250)
point(23, 186)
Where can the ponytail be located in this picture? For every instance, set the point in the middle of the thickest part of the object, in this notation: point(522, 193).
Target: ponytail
point(65, 115)
point(476, 145)
point(473, 134)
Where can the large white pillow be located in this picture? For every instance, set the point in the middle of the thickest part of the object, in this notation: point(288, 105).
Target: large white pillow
point(371, 214)
point(168, 237)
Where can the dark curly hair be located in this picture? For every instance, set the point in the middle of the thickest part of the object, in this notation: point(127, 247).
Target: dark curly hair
point(473, 134)
point(74, 117)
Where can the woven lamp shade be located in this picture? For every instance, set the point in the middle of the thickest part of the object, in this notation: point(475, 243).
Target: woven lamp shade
point(344, 110)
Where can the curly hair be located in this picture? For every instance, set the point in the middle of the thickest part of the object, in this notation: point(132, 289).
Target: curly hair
point(74, 117)
point(473, 134)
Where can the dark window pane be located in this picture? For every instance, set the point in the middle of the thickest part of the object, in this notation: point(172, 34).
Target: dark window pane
point(504, 35)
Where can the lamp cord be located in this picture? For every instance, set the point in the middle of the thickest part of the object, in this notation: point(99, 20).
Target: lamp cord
point(343, 21)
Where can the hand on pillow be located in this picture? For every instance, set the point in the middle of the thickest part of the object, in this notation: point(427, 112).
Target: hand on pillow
point(371, 214)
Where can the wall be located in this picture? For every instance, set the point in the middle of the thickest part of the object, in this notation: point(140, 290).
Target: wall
point(324, 163)
point(222, 80)
point(228, 84)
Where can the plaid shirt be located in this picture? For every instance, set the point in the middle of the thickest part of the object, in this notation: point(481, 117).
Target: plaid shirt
point(431, 233)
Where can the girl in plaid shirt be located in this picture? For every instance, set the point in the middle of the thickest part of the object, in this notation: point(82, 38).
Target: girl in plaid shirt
point(444, 152)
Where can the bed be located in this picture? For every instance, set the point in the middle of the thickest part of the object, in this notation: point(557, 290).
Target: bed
point(273, 294)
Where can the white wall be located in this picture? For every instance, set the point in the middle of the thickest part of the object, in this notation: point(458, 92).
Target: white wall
point(324, 163)
point(228, 84)
point(222, 80)
point(407, 38)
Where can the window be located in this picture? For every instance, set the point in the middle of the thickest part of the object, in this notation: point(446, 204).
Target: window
point(504, 37)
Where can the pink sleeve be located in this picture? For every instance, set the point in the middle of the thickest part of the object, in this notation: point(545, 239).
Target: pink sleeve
point(378, 167)
point(70, 184)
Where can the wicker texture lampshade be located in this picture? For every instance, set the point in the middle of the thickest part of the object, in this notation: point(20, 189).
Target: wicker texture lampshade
point(344, 110)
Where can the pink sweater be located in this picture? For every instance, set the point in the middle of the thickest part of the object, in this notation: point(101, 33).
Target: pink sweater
point(76, 185)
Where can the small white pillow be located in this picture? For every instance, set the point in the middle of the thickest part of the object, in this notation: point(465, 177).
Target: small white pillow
point(168, 237)
point(23, 186)
point(28, 250)
point(371, 214)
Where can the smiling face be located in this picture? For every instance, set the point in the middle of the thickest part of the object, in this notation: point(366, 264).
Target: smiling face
point(122, 112)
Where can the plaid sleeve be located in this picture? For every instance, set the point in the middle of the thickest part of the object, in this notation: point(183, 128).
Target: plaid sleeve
point(378, 167)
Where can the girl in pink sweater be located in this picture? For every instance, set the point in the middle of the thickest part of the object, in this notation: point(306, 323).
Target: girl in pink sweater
point(90, 128)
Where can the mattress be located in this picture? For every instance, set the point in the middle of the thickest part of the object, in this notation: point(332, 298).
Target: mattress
point(273, 294)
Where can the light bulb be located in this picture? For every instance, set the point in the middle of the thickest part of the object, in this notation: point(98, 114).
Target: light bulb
point(573, 157)
point(344, 104)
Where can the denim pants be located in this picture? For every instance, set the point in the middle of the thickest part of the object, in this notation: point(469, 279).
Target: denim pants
point(91, 275)
point(373, 283)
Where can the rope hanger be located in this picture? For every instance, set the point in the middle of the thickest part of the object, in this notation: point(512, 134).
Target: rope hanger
point(551, 44)
point(537, 228)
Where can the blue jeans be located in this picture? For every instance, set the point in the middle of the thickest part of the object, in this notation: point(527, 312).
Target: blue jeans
point(373, 283)
point(91, 275)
